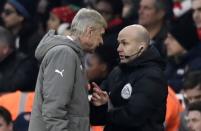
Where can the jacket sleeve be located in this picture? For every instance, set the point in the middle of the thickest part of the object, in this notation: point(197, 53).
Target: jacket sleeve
point(149, 93)
point(98, 114)
point(59, 73)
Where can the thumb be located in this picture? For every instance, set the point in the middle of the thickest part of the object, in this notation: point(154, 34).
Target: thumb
point(105, 93)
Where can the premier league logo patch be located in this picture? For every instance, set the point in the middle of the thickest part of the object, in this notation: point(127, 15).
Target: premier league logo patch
point(126, 91)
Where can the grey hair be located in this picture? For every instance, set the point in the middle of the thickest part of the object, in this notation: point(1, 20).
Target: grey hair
point(6, 38)
point(86, 18)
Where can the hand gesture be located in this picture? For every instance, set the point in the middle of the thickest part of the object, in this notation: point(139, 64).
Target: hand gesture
point(99, 97)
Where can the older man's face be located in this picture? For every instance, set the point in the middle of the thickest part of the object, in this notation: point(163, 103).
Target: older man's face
point(196, 6)
point(93, 38)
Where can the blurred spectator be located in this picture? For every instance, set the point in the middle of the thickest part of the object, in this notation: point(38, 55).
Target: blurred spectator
point(79, 3)
point(194, 117)
point(192, 86)
point(130, 11)
point(173, 112)
point(61, 16)
point(154, 15)
point(18, 17)
point(104, 59)
point(111, 10)
point(192, 92)
point(6, 123)
point(196, 6)
point(22, 122)
point(181, 44)
point(2, 2)
point(17, 102)
point(17, 72)
point(181, 7)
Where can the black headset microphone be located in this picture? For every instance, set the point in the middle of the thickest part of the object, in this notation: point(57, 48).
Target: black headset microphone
point(134, 53)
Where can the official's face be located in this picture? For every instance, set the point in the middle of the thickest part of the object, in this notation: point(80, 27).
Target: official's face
point(128, 46)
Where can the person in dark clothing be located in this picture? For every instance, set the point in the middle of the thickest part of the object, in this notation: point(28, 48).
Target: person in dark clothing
point(130, 11)
point(17, 72)
point(2, 2)
point(134, 95)
point(21, 123)
point(155, 15)
point(196, 5)
point(183, 49)
point(112, 12)
point(101, 63)
point(18, 16)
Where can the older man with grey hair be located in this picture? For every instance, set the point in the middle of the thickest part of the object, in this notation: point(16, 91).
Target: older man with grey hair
point(61, 99)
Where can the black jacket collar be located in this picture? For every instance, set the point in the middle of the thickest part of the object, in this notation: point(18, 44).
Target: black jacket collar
point(150, 56)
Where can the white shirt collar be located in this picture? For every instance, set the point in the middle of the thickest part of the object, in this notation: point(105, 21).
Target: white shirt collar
point(69, 37)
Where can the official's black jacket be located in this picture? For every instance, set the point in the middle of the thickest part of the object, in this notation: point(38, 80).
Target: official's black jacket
point(138, 92)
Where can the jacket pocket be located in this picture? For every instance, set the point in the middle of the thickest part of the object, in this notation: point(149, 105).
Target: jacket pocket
point(77, 123)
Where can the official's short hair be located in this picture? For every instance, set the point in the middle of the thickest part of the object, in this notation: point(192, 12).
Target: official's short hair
point(86, 18)
point(6, 38)
point(5, 114)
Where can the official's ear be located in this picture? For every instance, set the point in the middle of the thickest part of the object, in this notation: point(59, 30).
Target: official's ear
point(141, 48)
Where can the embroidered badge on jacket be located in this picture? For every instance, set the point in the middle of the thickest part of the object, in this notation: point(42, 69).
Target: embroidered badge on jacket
point(126, 91)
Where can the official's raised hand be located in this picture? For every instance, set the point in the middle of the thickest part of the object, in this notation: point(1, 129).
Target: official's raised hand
point(99, 97)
